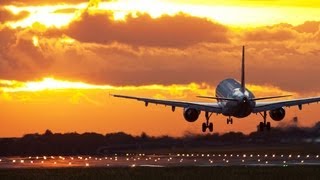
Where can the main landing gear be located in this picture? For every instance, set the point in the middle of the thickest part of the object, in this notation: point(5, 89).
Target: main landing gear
point(229, 120)
point(206, 124)
point(264, 125)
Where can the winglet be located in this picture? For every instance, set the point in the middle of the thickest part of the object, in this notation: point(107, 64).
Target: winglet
point(243, 83)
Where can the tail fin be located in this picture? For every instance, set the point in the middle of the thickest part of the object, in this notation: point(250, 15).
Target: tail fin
point(243, 83)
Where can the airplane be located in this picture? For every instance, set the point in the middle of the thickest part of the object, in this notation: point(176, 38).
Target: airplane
point(233, 100)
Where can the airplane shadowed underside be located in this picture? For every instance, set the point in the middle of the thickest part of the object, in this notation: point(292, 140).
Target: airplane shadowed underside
point(233, 100)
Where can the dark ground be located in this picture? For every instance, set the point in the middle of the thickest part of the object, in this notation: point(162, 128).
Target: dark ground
point(238, 173)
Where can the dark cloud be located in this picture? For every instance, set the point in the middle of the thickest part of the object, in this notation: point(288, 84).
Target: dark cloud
point(308, 27)
point(6, 15)
point(167, 31)
point(270, 34)
point(19, 58)
point(283, 32)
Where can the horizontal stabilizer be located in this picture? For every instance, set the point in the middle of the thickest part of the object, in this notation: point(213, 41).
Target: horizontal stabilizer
point(270, 97)
point(218, 98)
point(252, 99)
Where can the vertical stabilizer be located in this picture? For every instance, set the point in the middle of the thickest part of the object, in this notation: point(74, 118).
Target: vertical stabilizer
point(243, 83)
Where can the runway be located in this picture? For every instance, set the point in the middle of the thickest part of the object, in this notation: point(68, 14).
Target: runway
point(161, 160)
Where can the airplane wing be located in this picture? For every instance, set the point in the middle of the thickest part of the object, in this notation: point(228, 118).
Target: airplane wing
point(208, 107)
point(267, 106)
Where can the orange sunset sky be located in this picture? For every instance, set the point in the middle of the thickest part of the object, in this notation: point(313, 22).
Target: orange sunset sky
point(60, 59)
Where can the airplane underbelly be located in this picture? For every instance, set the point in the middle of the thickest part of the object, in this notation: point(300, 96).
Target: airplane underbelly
point(233, 109)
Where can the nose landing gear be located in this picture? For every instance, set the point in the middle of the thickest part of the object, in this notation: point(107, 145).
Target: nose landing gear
point(264, 125)
point(207, 124)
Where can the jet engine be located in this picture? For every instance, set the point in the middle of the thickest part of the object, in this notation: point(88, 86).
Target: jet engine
point(190, 114)
point(277, 114)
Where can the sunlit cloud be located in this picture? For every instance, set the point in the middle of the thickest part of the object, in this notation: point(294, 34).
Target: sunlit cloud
point(54, 16)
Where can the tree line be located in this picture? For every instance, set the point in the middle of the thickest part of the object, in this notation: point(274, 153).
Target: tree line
point(50, 143)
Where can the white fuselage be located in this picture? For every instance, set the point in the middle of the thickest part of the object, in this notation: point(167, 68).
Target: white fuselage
point(230, 88)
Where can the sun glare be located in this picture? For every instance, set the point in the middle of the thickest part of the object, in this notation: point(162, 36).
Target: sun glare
point(46, 15)
point(35, 41)
point(47, 83)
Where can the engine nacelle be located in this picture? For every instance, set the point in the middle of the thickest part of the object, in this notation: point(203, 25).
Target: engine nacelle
point(190, 114)
point(277, 114)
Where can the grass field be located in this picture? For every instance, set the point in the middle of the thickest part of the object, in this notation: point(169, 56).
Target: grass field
point(238, 173)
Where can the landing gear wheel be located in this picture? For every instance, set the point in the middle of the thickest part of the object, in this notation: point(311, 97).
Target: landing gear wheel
point(261, 126)
point(268, 126)
point(264, 125)
point(206, 124)
point(210, 127)
point(204, 127)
